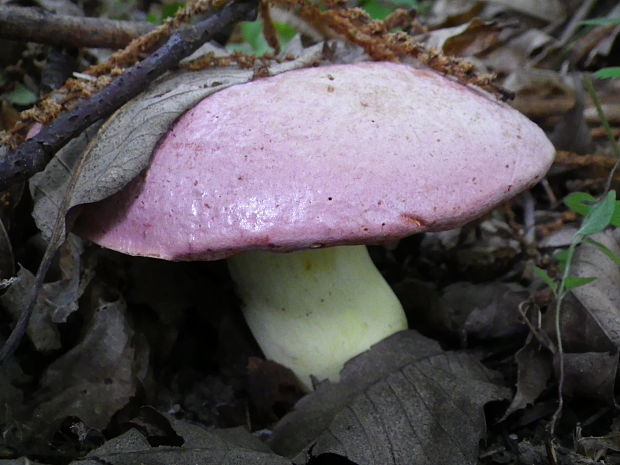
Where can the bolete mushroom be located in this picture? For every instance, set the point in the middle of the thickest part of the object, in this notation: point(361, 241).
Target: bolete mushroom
point(287, 174)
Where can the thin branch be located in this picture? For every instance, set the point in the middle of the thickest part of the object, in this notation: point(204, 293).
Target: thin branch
point(35, 25)
point(34, 154)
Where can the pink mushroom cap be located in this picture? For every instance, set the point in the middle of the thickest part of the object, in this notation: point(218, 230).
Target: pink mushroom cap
point(342, 154)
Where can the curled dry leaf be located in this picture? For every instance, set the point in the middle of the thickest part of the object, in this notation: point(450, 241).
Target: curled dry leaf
point(591, 374)
point(600, 298)
point(534, 364)
point(549, 10)
point(540, 93)
point(11, 405)
point(450, 12)
point(91, 381)
point(6, 254)
point(404, 401)
point(598, 42)
point(221, 447)
point(571, 132)
point(484, 311)
point(518, 51)
point(56, 301)
point(467, 39)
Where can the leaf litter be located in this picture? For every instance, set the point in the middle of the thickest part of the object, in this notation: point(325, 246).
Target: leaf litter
point(74, 390)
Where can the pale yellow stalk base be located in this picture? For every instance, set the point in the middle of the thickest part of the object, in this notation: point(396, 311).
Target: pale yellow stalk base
point(313, 310)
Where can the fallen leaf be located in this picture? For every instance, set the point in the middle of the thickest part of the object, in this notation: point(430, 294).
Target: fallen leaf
point(91, 381)
point(534, 364)
point(540, 93)
point(7, 267)
point(467, 39)
point(549, 10)
point(220, 447)
point(601, 298)
point(404, 401)
point(517, 51)
point(485, 311)
point(590, 374)
point(273, 389)
point(446, 13)
point(56, 301)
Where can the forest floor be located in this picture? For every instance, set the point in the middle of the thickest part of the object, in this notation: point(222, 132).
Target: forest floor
point(513, 346)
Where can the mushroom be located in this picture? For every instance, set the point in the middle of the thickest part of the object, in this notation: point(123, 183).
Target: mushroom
point(312, 164)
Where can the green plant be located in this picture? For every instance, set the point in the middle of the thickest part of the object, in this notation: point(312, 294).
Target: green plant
point(598, 215)
point(254, 41)
point(168, 10)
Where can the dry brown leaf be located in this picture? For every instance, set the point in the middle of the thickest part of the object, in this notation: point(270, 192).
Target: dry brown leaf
point(540, 93)
point(465, 40)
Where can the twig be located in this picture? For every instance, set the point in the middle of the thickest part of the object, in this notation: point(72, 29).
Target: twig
point(35, 25)
point(32, 155)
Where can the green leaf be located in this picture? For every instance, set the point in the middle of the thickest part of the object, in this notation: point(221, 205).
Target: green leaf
point(580, 202)
point(612, 72)
point(285, 33)
point(376, 9)
point(252, 33)
point(407, 3)
point(599, 216)
point(605, 250)
point(575, 282)
point(153, 18)
point(562, 258)
point(21, 96)
point(549, 281)
point(599, 21)
point(168, 10)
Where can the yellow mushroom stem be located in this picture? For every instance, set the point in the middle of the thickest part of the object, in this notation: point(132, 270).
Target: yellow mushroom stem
point(313, 310)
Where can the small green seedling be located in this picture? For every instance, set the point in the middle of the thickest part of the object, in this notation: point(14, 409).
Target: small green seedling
point(598, 215)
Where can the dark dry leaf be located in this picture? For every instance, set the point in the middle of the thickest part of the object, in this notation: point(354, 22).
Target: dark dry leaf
point(467, 39)
point(273, 389)
point(404, 401)
point(451, 12)
point(94, 379)
point(224, 447)
point(518, 51)
point(549, 10)
point(530, 454)
point(7, 267)
point(580, 331)
point(19, 461)
point(540, 93)
point(571, 132)
point(591, 374)
point(597, 446)
point(11, 406)
point(600, 298)
point(56, 301)
point(534, 371)
point(597, 43)
point(485, 311)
